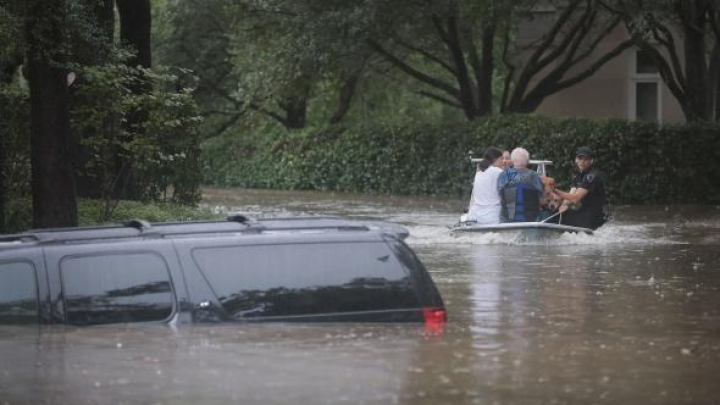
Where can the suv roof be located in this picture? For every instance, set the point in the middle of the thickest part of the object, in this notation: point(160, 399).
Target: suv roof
point(234, 224)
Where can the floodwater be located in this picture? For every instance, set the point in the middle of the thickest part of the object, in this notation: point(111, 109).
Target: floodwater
point(630, 315)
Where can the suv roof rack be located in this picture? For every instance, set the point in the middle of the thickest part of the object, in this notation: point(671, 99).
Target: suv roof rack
point(235, 223)
point(18, 238)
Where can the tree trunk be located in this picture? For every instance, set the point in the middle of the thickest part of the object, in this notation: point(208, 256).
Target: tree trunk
point(456, 56)
point(104, 11)
point(347, 92)
point(135, 29)
point(3, 188)
point(717, 100)
point(53, 174)
point(135, 26)
point(8, 65)
point(695, 62)
point(485, 90)
point(53, 181)
point(295, 113)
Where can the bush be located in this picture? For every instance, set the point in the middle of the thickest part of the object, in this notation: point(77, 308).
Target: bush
point(154, 133)
point(643, 163)
point(91, 212)
point(14, 156)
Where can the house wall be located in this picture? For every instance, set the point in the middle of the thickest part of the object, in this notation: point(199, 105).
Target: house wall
point(609, 93)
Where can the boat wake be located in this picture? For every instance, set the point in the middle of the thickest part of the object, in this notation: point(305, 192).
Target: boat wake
point(431, 227)
point(610, 234)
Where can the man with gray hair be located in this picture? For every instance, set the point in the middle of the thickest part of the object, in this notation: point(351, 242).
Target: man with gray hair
point(520, 190)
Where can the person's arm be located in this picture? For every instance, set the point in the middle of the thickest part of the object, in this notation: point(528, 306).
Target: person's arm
point(574, 196)
point(537, 184)
point(566, 202)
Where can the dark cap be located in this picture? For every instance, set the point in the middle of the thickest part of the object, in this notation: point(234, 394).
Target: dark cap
point(584, 151)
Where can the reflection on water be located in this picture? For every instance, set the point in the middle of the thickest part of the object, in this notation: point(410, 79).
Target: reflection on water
point(630, 315)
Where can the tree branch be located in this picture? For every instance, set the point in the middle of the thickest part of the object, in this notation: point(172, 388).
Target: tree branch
point(713, 20)
point(669, 42)
point(600, 37)
point(509, 73)
point(439, 84)
point(677, 89)
point(467, 99)
point(441, 30)
point(595, 66)
point(486, 70)
point(438, 98)
point(427, 55)
point(208, 113)
point(572, 39)
point(269, 113)
point(347, 92)
point(224, 127)
point(535, 64)
point(549, 38)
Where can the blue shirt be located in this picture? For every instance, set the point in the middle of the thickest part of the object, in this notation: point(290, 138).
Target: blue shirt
point(528, 177)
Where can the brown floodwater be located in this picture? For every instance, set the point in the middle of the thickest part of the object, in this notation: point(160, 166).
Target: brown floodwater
point(630, 315)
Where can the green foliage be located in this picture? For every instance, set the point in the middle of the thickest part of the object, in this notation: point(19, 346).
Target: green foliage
point(10, 27)
point(15, 135)
point(15, 144)
point(163, 148)
point(64, 31)
point(91, 212)
point(643, 163)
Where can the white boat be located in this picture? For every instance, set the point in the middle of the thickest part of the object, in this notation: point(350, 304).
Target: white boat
point(528, 229)
point(531, 230)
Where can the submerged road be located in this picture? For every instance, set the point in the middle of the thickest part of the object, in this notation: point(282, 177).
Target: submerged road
point(630, 315)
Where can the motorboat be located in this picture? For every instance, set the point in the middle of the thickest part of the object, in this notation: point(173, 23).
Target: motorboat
point(531, 230)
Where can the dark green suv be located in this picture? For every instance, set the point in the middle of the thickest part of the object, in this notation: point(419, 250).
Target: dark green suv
point(308, 269)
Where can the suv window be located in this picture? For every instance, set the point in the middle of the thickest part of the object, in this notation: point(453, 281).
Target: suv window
point(305, 279)
point(18, 293)
point(112, 288)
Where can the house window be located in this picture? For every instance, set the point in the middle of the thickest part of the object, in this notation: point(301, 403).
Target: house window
point(645, 89)
point(644, 64)
point(646, 101)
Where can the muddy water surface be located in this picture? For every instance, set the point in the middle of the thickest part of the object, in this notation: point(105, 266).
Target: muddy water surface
point(628, 316)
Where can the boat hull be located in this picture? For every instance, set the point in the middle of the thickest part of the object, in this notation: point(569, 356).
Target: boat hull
point(529, 229)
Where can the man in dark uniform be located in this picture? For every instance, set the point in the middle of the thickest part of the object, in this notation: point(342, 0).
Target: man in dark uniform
point(586, 198)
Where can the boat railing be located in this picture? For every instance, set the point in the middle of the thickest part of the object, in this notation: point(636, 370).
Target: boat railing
point(541, 164)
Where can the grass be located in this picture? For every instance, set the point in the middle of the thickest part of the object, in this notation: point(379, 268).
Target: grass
point(90, 212)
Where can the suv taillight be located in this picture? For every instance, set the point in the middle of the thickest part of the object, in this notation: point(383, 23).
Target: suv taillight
point(434, 315)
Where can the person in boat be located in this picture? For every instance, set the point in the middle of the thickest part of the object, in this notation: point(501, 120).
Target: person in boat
point(507, 162)
point(520, 189)
point(583, 205)
point(485, 201)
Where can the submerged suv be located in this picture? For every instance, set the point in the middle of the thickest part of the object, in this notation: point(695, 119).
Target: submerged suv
point(309, 269)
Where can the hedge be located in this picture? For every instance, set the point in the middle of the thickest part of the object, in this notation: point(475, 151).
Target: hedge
point(643, 163)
